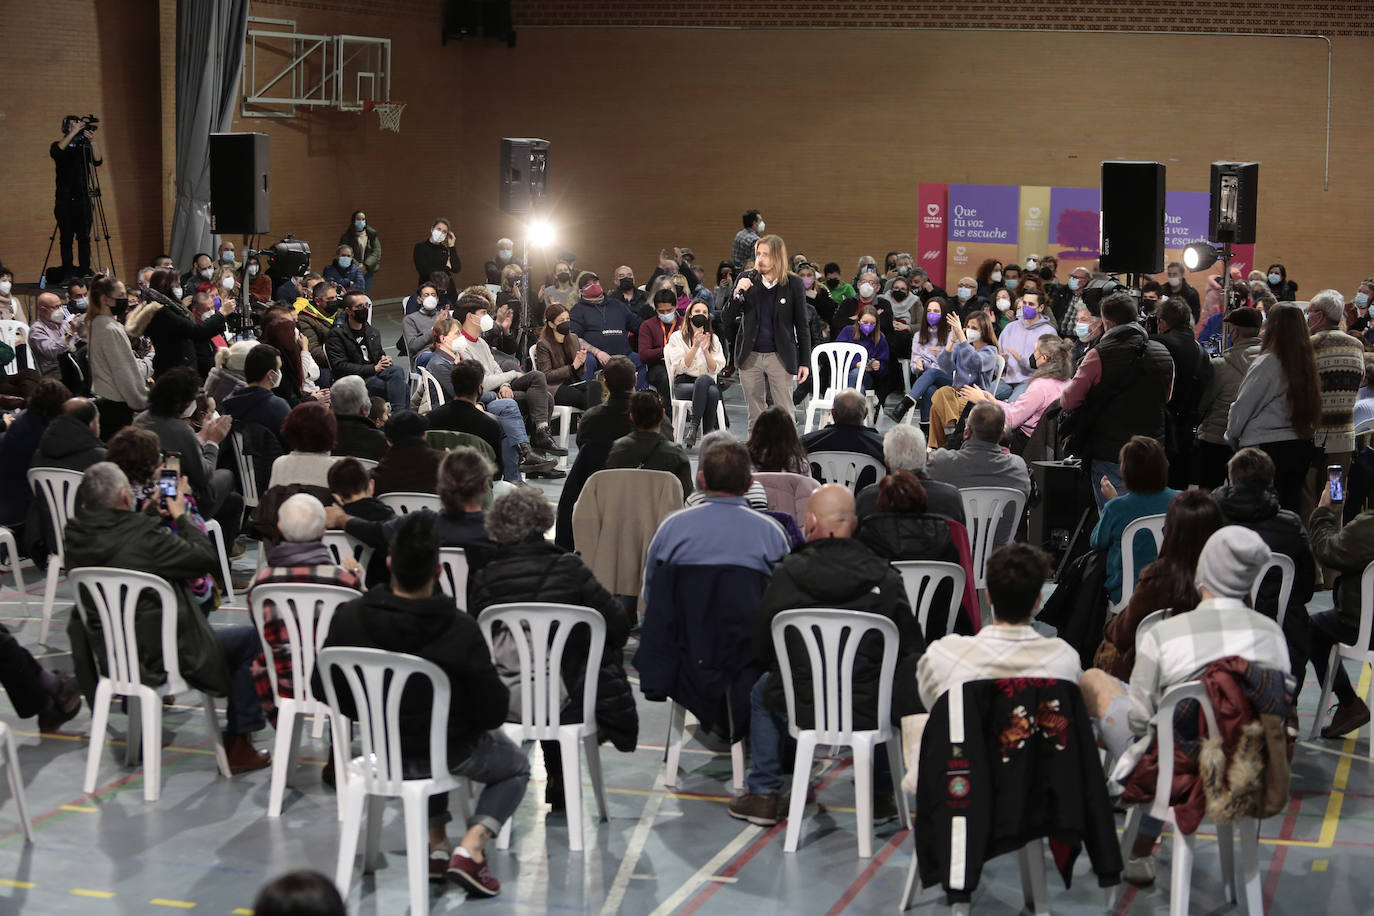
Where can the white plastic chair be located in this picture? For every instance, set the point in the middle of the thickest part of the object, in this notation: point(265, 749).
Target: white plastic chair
point(541, 636)
point(564, 413)
point(9, 333)
point(845, 468)
point(367, 463)
point(10, 760)
point(453, 575)
point(1358, 651)
point(12, 553)
point(216, 534)
point(341, 544)
point(1364, 426)
point(376, 680)
point(842, 358)
point(984, 510)
point(922, 578)
point(680, 410)
point(57, 488)
point(404, 502)
point(248, 475)
point(832, 638)
point(1151, 523)
point(305, 612)
point(115, 593)
point(677, 726)
point(1288, 572)
point(1182, 866)
point(998, 373)
point(433, 389)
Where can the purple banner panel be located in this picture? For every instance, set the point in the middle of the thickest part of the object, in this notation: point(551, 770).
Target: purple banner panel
point(1075, 222)
point(1185, 218)
point(984, 213)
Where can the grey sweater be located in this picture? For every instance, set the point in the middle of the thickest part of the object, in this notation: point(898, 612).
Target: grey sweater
point(1260, 413)
point(115, 373)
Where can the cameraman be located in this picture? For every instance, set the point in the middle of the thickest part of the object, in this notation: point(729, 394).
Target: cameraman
point(73, 155)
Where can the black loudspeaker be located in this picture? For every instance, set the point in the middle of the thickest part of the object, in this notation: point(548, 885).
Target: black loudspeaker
point(238, 184)
point(1132, 217)
point(524, 174)
point(1235, 192)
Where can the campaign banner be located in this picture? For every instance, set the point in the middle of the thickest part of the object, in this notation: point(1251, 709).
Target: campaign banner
point(983, 223)
point(1034, 237)
point(1185, 222)
point(933, 206)
point(1075, 228)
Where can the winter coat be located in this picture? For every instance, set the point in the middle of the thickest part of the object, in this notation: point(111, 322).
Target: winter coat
point(315, 326)
point(346, 356)
point(839, 573)
point(372, 254)
point(1077, 608)
point(1220, 393)
point(537, 570)
point(409, 466)
point(910, 536)
point(174, 333)
point(359, 438)
point(650, 451)
point(606, 422)
point(1349, 550)
point(135, 540)
point(616, 517)
point(349, 278)
point(220, 383)
point(432, 629)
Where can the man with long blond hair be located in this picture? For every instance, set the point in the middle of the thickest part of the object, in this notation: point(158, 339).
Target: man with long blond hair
point(773, 342)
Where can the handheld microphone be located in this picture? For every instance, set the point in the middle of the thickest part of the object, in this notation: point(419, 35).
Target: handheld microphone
point(752, 276)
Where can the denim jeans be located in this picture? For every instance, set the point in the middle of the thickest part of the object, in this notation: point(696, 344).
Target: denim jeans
point(1112, 471)
point(1018, 389)
point(591, 367)
point(506, 412)
point(502, 768)
point(391, 383)
point(243, 714)
point(927, 383)
point(705, 398)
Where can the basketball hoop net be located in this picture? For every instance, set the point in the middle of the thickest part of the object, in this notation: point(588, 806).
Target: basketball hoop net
point(388, 114)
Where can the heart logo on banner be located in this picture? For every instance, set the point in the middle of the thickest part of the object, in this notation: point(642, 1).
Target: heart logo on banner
point(960, 249)
point(933, 209)
point(1034, 212)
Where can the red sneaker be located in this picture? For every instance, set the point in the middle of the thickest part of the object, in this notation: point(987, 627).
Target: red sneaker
point(438, 865)
point(472, 875)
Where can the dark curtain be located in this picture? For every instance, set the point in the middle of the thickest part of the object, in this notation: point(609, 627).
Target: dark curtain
point(210, 42)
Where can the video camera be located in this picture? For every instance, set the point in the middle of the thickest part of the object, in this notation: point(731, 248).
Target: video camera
point(92, 125)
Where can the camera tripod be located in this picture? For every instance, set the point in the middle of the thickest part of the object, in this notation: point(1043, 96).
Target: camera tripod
point(99, 228)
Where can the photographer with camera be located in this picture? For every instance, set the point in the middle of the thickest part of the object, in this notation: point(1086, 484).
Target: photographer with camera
point(73, 155)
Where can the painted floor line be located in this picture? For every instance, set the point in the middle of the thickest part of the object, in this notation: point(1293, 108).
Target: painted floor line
point(616, 894)
point(707, 872)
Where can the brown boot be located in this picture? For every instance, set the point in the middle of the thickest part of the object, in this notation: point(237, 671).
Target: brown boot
point(243, 757)
point(1349, 717)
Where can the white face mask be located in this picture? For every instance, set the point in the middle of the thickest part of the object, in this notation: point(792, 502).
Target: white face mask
point(227, 283)
point(503, 253)
point(207, 273)
point(176, 293)
point(762, 226)
point(486, 323)
point(274, 379)
point(996, 276)
point(429, 304)
point(865, 290)
point(252, 270)
point(437, 236)
point(1175, 282)
point(1032, 263)
point(1003, 305)
point(190, 409)
point(5, 287)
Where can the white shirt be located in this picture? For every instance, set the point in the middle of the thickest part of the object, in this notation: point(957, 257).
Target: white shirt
point(999, 650)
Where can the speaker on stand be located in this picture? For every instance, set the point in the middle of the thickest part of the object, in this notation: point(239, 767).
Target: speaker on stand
point(239, 201)
point(1132, 217)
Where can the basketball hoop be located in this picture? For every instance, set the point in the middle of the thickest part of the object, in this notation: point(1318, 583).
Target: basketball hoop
point(388, 113)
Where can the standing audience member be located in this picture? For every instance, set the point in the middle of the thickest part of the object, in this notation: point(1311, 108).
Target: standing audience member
point(1211, 451)
point(118, 383)
point(1145, 477)
point(1282, 288)
point(365, 246)
point(742, 249)
point(1339, 359)
point(173, 332)
point(1192, 371)
point(646, 448)
point(436, 253)
point(774, 338)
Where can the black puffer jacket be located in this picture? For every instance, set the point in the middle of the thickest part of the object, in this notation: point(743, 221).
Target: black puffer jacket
point(840, 573)
point(539, 570)
point(905, 536)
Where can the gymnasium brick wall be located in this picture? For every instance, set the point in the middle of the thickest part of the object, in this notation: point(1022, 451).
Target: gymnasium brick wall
point(662, 134)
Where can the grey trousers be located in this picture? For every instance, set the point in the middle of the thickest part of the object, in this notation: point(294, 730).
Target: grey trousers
point(759, 374)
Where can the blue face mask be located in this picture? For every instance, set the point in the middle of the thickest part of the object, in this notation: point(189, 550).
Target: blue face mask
point(668, 318)
point(965, 294)
point(1010, 284)
point(1361, 300)
point(344, 262)
point(1275, 279)
point(360, 224)
point(1073, 283)
point(1081, 330)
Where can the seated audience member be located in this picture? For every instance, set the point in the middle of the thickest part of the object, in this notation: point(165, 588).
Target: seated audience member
point(106, 531)
point(846, 431)
point(444, 354)
point(609, 421)
point(1167, 583)
point(607, 326)
point(774, 444)
point(72, 439)
point(1144, 472)
point(254, 403)
point(315, 320)
point(411, 615)
point(300, 893)
point(296, 555)
point(380, 412)
point(1211, 450)
point(409, 465)
point(11, 306)
point(33, 690)
point(351, 485)
point(18, 440)
point(171, 400)
point(343, 270)
point(694, 356)
point(528, 388)
point(1053, 371)
point(227, 375)
point(645, 448)
point(1178, 650)
point(653, 335)
point(832, 570)
point(461, 414)
point(970, 359)
point(354, 347)
point(1249, 500)
point(529, 567)
point(1009, 646)
point(356, 435)
point(1348, 550)
point(981, 462)
point(560, 356)
point(310, 431)
point(417, 327)
point(904, 449)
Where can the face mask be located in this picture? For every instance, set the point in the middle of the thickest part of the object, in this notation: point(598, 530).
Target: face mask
point(1275, 279)
point(668, 318)
point(1081, 330)
point(1361, 299)
point(274, 379)
point(1029, 312)
point(485, 323)
point(762, 226)
point(190, 409)
point(899, 295)
point(625, 284)
point(932, 318)
point(1073, 283)
point(252, 270)
point(429, 303)
point(593, 292)
point(226, 257)
point(1032, 263)
point(5, 287)
point(360, 224)
point(121, 307)
point(832, 282)
point(176, 293)
point(965, 294)
point(866, 327)
point(503, 253)
point(563, 276)
point(808, 282)
point(996, 276)
point(227, 283)
point(207, 273)
point(973, 333)
point(437, 236)
point(1175, 282)
point(563, 327)
point(865, 290)
point(700, 321)
point(904, 270)
point(79, 306)
point(1010, 284)
point(1003, 305)
point(344, 262)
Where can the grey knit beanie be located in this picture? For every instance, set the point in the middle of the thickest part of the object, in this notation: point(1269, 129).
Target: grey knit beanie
point(1230, 561)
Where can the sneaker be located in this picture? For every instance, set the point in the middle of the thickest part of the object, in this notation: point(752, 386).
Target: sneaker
point(472, 875)
point(438, 865)
point(760, 810)
point(1349, 717)
point(1141, 871)
point(66, 703)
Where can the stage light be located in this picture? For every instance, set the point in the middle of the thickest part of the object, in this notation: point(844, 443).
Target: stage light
point(1200, 256)
point(541, 233)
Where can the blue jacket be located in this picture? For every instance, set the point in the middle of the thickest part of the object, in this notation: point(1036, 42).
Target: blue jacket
point(606, 325)
point(352, 278)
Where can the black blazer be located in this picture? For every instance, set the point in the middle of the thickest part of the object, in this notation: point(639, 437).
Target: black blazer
point(793, 349)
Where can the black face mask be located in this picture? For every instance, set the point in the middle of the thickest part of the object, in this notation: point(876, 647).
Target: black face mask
point(700, 321)
point(563, 276)
point(330, 307)
point(563, 327)
point(899, 295)
point(832, 282)
point(121, 307)
point(625, 284)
